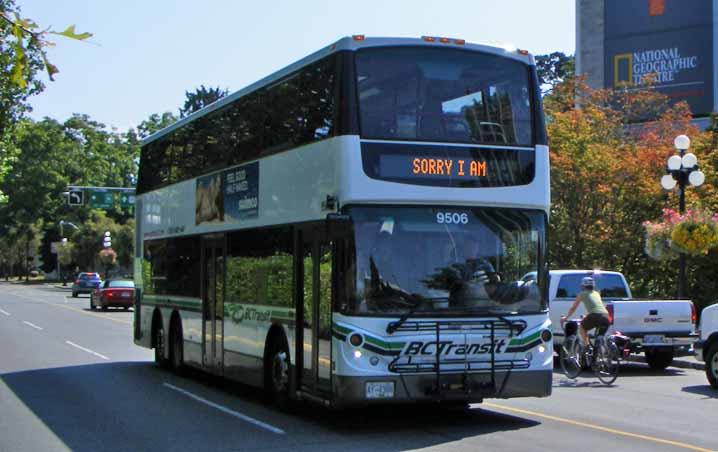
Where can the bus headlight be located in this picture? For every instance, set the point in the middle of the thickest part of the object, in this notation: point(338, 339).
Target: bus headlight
point(357, 354)
point(541, 348)
point(356, 339)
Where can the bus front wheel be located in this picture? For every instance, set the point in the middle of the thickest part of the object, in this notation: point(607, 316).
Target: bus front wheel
point(276, 373)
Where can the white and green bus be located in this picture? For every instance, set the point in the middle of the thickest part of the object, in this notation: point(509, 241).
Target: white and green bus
point(353, 229)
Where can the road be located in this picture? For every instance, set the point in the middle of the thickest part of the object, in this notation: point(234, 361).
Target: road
point(72, 379)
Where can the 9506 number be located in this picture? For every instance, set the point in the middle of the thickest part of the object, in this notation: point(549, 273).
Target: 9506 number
point(452, 218)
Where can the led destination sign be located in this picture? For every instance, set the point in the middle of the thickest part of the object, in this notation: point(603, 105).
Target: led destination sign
point(431, 167)
point(448, 166)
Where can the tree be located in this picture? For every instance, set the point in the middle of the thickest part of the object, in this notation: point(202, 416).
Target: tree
point(25, 36)
point(64, 258)
point(201, 98)
point(20, 61)
point(553, 69)
point(604, 181)
point(154, 123)
point(22, 57)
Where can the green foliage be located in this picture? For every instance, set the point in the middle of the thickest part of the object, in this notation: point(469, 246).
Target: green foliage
point(64, 253)
point(553, 69)
point(20, 62)
point(86, 252)
point(26, 37)
point(200, 98)
point(154, 123)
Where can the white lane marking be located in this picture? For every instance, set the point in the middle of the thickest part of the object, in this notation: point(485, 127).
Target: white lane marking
point(32, 325)
point(87, 350)
point(224, 409)
point(5, 312)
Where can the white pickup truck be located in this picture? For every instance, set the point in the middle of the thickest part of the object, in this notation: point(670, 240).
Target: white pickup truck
point(661, 329)
point(706, 348)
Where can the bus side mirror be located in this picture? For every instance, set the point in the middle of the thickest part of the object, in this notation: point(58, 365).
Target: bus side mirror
point(339, 224)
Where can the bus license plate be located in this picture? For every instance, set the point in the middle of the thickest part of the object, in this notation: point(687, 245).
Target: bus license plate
point(380, 390)
point(653, 339)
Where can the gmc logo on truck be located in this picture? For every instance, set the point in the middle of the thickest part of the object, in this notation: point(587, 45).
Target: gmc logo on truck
point(653, 320)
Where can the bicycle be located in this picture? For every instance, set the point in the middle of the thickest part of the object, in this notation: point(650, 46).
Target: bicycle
point(602, 355)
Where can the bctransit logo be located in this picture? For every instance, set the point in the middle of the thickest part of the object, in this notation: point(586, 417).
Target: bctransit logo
point(242, 313)
point(446, 348)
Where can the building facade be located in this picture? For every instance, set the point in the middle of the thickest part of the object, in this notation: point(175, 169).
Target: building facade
point(667, 44)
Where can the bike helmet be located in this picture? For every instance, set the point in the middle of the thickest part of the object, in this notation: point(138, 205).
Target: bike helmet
point(587, 282)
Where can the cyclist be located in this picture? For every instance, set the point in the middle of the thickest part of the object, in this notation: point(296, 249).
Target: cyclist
point(596, 313)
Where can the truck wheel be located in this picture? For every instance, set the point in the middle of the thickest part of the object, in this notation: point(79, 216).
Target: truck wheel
point(659, 359)
point(712, 365)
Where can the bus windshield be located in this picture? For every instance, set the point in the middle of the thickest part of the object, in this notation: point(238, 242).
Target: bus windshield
point(443, 94)
point(446, 260)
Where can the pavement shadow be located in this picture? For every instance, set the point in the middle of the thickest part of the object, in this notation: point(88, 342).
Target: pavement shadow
point(399, 421)
point(704, 390)
point(124, 406)
point(635, 369)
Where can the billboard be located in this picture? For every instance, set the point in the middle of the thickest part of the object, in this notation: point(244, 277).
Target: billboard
point(667, 41)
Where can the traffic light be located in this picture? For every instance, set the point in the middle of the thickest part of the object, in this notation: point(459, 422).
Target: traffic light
point(107, 240)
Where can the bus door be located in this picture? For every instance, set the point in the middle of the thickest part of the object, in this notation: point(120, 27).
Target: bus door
point(314, 340)
point(213, 252)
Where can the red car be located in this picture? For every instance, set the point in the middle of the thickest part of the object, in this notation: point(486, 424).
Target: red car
point(117, 293)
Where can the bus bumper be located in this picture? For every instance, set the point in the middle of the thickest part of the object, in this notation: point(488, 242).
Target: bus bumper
point(418, 388)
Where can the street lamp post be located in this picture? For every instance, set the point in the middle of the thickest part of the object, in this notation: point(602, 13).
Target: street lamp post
point(682, 170)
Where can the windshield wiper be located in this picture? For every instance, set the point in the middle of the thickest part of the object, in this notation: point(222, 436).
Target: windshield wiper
point(417, 299)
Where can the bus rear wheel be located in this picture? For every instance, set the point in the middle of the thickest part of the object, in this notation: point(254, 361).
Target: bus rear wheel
point(176, 348)
point(158, 341)
point(276, 373)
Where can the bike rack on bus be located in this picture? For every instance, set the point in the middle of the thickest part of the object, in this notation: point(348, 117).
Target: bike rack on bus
point(404, 364)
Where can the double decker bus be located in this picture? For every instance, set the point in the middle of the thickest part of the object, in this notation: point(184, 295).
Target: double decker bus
point(354, 229)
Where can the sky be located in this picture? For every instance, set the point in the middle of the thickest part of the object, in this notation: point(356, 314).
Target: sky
point(145, 54)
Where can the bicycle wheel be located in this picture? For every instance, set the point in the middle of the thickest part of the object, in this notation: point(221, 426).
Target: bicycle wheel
point(606, 361)
point(569, 357)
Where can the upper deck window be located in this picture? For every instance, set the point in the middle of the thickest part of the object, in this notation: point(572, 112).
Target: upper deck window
point(443, 95)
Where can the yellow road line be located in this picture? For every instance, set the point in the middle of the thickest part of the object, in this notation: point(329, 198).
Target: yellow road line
point(598, 427)
point(74, 309)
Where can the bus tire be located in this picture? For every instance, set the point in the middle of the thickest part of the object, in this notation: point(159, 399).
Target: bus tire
point(712, 364)
point(176, 347)
point(158, 341)
point(659, 359)
point(276, 372)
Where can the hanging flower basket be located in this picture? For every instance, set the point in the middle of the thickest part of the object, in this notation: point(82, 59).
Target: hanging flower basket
point(108, 256)
point(658, 241)
point(695, 233)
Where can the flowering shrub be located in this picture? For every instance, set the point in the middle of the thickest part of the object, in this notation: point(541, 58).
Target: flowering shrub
point(694, 232)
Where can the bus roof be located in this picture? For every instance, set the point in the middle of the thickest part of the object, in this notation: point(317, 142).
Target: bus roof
point(350, 43)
